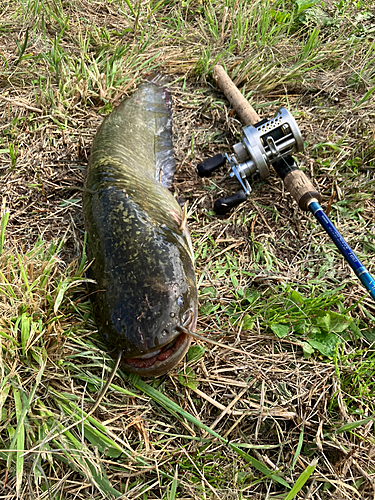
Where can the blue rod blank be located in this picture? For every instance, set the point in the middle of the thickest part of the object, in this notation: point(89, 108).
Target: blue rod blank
point(357, 266)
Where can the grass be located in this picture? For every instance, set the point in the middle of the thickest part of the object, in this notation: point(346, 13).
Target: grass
point(286, 409)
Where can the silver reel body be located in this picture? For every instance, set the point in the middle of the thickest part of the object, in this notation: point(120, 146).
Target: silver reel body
point(263, 144)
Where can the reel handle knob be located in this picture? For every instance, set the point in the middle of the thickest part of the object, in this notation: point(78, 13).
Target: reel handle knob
point(208, 166)
point(223, 205)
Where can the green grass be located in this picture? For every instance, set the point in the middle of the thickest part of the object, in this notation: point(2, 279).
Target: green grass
point(298, 383)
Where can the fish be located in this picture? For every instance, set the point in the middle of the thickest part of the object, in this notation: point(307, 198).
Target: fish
point(142, 260)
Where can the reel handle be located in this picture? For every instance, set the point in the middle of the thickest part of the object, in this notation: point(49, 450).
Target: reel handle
point(295, 181)
point(223, 205)
point(208, 166)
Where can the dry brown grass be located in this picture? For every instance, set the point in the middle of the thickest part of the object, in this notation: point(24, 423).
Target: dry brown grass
point(268, 398)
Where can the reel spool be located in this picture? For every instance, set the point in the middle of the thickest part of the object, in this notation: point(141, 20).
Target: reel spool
point(263, 144)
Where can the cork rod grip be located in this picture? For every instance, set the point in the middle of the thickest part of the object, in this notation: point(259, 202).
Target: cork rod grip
point(244, 110)
point(301, 189)
point(296, 182)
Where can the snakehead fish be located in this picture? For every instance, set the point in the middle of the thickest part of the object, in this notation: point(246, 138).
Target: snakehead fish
point(138, 241)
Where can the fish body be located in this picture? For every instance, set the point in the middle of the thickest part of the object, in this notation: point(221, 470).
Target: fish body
point(142, 259)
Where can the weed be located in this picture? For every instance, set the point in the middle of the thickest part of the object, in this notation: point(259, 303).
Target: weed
point(292, 377)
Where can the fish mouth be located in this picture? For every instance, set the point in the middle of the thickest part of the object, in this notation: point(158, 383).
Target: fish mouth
point(156, 363)
point(159, 362)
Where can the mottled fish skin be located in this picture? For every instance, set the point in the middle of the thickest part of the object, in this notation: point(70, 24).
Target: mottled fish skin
point(137, 238)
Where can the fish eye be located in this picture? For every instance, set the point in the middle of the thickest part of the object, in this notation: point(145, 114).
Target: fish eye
point(180, 301)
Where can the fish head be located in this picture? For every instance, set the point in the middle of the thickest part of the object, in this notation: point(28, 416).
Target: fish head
point(159, 343)
point(145, 319)
point(169, 302)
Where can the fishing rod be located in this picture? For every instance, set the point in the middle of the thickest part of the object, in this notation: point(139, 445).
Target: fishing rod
point(272, 142)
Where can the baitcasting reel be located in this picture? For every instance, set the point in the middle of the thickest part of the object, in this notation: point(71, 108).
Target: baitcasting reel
point(263, 144)
point(271, 142)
